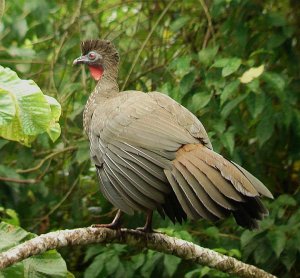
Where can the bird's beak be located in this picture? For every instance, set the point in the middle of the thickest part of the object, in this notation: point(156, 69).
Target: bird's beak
point(80, 60)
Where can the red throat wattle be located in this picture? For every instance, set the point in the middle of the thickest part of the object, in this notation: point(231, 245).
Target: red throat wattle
point(96, 72)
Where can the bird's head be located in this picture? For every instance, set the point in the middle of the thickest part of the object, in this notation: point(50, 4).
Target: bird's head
point(100, 56)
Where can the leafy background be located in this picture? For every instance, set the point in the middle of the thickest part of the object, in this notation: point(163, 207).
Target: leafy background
point(197, 52)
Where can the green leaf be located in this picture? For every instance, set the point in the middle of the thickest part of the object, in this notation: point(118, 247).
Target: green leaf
point(55, 107)
point(229, 65)
point(207, 55)
point(95, 268)
point(276, 81)
point(7, 107)
point(247, 237)
point(112, 265)
point(187, 82)
point(228, 141)
point(231, 105)
point(229, 90)
point(49, 264)
point(54, 131)
point(192, 273)
point(286, 200)
point(171, 264)
point(235, 253)
point(289, 258)
point(92, 252)
point(212, 232)
point(262, 252)
point(181, 65)
point(251, 74)
point(277, 240)
point(179, 23)
point(221, 63)
point(9, 216)
point(138, 260)
point(275, 40)
point(264, 129)
point(24, 111)
point(259, 104)
point(152, 260)
point(83, 153)
point(275, 19)
point(254, 86)
point(200, 100)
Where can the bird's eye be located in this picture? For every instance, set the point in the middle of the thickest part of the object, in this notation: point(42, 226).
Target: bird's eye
point(92, 55)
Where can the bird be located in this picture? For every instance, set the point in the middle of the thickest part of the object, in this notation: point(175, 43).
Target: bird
point(152, 154)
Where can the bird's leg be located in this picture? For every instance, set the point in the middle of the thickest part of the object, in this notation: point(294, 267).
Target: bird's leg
point(148, 225)
point(115, 224)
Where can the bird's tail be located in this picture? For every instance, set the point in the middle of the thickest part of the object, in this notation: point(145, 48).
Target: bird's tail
point(211, 187)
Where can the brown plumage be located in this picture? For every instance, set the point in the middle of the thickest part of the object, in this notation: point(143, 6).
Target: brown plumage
point(152, 153)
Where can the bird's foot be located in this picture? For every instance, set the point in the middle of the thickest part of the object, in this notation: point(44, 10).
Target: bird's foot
point(115, 224)
point(148, 225)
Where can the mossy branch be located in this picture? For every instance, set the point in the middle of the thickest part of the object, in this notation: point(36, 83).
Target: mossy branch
point(155, 241)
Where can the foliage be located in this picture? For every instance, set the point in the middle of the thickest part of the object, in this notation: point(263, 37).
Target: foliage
point(236, 66)
point(49, 264)
point(24, 111)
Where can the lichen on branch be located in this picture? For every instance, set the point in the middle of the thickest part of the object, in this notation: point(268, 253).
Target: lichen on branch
point(155, 241)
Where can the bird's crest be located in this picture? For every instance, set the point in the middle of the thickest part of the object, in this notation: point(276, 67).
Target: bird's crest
point(102, 46)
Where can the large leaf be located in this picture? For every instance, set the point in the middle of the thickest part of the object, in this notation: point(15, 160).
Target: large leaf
point(48, 264)
point(25, 111)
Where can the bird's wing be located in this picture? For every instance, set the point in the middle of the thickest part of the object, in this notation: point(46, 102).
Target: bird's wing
point(183, 117)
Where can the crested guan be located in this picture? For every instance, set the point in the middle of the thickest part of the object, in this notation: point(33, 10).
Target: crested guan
point(152, 153)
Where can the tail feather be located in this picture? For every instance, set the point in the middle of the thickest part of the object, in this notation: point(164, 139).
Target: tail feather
point(173, 209)
point(208, 186)
point(232, 174)
point(180, 196)
point(223, 185)
point(243, 219)
point(206, 201)
point(192, 198)
point(259, 186)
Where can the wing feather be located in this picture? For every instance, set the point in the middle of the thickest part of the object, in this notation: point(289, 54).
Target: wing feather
point(128, 187)
point(111, 193)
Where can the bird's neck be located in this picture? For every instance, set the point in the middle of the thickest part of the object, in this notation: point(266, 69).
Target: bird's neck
point(107, 85)
point(106, 88)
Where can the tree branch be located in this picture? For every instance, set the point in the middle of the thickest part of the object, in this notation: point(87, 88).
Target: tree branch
point(155, 241)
